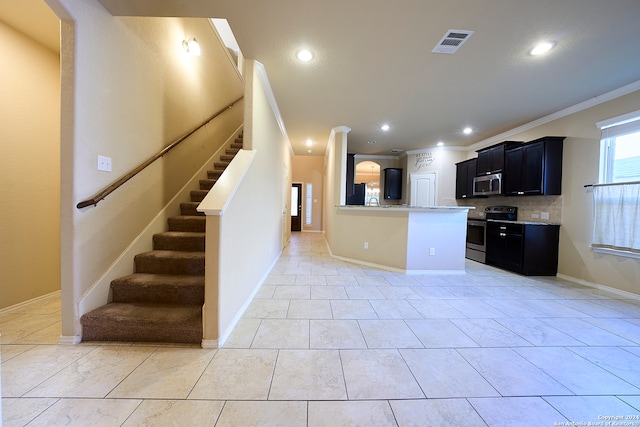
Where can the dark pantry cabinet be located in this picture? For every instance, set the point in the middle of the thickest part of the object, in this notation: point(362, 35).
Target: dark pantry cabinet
point(393, 183)
point(530, 249)
point(465, 172)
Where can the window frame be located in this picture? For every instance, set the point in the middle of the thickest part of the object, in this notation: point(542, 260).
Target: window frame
point(610, 129)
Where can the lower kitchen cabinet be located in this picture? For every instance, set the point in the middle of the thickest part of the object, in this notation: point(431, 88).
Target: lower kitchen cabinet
point(530, 249)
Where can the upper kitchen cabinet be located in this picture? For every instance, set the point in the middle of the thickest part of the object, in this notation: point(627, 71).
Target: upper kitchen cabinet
point(534, 168)
point(491, 159)
point(465, 172)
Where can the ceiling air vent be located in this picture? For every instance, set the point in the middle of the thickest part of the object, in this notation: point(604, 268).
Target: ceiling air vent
point(452, 41)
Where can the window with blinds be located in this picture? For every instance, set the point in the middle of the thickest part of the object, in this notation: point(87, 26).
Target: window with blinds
point(616, 198)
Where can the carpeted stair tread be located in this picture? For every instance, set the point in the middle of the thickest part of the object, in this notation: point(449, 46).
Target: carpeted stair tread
point(206, 184)
point(187, 241)
point(190, 209)
point(170, 262)
point(159, 289)
point(214, 174)
point(220, 165)
point(162, 300)
point(194, 223)
point(198, 195)
point(144, 322)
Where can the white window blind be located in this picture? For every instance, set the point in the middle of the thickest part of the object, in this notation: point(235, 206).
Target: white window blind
point(616, 222)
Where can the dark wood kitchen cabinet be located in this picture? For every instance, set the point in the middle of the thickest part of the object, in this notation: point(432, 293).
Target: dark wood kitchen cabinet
point(530, 249)
point(491, 159)
point(465, 172)
point(393, 183)
point(534, 168)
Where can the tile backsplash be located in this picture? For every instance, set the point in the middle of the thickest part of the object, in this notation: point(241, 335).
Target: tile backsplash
point(530, 208)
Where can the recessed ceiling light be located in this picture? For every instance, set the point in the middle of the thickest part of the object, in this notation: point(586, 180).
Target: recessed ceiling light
point(467, 130)
point(385, 127)
point(309, 143)
point(440, 144)
point(304, 55)
point(309, 151)
point(541, 48)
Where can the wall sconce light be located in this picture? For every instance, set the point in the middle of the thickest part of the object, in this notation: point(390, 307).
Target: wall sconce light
point(191, 46)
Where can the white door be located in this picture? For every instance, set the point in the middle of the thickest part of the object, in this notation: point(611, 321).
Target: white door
point(423, 189)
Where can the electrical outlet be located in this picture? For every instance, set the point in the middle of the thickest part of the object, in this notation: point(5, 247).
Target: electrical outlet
point(544, 215)
point(534, 215)
point(432, 251)
point(366, 245)
point(104, 164)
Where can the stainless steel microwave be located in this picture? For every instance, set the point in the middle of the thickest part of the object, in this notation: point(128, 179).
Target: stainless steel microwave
point(487, 185)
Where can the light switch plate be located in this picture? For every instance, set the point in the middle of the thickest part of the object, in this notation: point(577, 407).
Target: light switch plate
point(544, 215)
point(104, 164)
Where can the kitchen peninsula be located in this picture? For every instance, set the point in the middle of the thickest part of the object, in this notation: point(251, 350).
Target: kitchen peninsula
point(402, 238)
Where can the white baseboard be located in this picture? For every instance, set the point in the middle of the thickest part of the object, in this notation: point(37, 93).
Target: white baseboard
point(24, 304)
point(210, 344)
point(70, 339)
point(620, 292)
point(393, 269)
point(225, 335)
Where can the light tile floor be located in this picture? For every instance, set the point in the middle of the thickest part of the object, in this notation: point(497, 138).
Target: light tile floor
point(327, 343)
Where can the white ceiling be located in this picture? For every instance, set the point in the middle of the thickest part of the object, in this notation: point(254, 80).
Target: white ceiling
point(374, 65)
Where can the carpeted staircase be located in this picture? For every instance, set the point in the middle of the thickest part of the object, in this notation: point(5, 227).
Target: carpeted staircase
point(162, 300)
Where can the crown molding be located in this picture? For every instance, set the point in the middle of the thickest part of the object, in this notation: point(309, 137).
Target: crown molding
point(596, 100)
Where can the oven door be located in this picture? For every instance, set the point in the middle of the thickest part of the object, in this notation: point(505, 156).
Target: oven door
point(476, 240)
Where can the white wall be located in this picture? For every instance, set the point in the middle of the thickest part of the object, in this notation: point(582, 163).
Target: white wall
point(30, 172)
point(128, 90)
point(254, 228)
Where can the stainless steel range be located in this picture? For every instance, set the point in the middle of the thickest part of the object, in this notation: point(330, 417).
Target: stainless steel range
point(477, 230)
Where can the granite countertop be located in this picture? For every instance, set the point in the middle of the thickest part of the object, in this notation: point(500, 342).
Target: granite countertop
point(525, 222)
point(407, 207)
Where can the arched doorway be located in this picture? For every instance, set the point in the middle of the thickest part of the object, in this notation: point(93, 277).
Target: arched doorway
point(368, 175)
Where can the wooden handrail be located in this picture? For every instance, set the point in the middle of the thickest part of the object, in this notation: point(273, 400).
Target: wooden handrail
point(111, 188)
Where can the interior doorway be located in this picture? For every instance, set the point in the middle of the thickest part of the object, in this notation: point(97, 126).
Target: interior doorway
point(423, 189)
point(296, 207)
